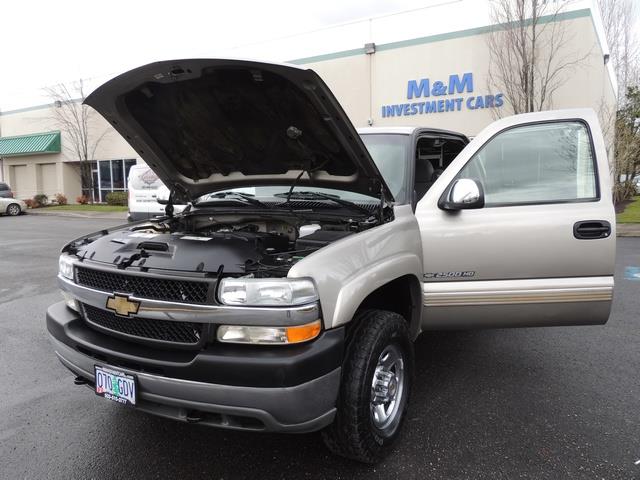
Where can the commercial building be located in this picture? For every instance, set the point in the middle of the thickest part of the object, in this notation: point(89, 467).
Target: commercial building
point(36, 156)
point(410, 68)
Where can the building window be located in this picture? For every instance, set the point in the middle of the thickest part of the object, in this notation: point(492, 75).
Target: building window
point(108, 176)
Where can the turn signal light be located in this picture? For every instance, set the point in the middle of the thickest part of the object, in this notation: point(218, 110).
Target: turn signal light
point(269, 335)
point(303, 333)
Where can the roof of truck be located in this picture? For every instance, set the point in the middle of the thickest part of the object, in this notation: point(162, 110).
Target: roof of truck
point(402, 130)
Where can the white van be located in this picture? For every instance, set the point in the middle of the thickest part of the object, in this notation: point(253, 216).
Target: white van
point(145, 188)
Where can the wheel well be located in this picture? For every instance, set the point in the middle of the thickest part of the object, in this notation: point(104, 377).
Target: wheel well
point(402, 296)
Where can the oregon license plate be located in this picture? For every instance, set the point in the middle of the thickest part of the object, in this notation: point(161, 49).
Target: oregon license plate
point(115, 385)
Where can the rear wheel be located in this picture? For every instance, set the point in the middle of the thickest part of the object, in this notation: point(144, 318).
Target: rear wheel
point(376, 382)
point(13, 209)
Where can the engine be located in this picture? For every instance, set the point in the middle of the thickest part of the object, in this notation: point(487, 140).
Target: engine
point(229, 245)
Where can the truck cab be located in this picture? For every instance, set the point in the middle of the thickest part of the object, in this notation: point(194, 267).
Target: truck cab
point(287, 295)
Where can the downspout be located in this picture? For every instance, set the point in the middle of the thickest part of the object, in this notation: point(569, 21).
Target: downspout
point(370, 50)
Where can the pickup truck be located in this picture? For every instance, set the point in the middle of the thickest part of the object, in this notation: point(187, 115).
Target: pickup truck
point(286, 297)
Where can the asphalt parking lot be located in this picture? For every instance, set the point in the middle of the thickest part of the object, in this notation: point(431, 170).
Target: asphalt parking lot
point(502, 404)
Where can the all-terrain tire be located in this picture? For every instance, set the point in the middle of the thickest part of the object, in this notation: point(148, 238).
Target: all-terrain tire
point(354, 433)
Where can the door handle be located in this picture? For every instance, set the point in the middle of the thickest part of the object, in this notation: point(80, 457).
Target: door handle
point(591, 229)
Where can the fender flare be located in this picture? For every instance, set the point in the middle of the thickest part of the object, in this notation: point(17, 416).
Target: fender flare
point(357, 288)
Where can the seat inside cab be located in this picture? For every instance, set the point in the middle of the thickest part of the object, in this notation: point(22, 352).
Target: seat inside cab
point(434, 153)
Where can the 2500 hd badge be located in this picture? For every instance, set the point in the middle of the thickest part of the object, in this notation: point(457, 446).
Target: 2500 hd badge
point(297, 308)
point(448, 275)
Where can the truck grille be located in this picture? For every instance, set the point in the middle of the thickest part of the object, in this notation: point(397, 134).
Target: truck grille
point(183, 291)
point(184, 333)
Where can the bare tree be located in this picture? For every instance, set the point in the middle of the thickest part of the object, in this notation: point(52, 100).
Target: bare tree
point(529, 53)
point(627, 146)
point(619, 18)
point(76, 121)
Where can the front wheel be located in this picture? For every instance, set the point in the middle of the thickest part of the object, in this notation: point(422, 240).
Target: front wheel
point(374, 394)
point(13, 209)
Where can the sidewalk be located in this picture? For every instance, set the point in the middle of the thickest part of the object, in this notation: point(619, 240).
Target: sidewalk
point(628, 229)
point(87, 214)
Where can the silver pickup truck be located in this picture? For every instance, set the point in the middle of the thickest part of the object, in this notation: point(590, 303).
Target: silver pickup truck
point(287, 295)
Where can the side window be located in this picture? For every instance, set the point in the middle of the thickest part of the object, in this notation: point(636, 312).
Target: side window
point(4, 186)
point(541, 163)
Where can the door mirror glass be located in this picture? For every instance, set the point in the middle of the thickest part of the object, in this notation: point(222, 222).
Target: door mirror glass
point(464, 193)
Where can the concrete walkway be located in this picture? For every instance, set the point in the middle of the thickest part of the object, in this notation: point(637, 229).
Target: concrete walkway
point(628, 230)
point(78, 214)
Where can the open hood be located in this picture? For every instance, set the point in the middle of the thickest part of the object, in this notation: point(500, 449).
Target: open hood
point(210, 124)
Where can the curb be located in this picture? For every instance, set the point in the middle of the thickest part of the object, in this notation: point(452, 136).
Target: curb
point(97, 215)
point(628, 230)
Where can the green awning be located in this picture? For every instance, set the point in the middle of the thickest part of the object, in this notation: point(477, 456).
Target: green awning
point(33, 144)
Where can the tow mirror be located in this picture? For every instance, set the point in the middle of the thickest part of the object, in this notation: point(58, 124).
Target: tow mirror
point(463, 194)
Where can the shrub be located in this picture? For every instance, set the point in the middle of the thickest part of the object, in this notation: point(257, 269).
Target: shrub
point(29, 203)
point(40, 200)
point(60, 199)
point(117, 198)
point(82, 199)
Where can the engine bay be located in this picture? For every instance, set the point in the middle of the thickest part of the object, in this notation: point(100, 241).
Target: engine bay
point(257, 245)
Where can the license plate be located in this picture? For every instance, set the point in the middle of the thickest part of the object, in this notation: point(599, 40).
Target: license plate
point(115, 385)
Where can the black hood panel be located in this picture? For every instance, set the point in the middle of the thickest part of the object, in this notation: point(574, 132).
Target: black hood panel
point(207, 125)
point(183, 253)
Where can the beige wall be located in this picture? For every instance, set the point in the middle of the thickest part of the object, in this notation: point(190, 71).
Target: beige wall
point(585, 86)
point(71, 180)
point(112, 146)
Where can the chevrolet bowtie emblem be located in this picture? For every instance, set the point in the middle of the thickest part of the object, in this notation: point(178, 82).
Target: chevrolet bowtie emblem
point(122, 305)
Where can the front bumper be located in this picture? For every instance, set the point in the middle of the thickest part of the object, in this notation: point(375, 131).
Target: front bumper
point(281, 389)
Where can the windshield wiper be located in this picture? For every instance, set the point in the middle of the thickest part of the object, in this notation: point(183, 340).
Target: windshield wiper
point(246, 197)
point(323, 196)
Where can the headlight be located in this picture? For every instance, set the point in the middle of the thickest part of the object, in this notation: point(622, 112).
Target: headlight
point(65, 266)
point(268, 335)
point(272, 292)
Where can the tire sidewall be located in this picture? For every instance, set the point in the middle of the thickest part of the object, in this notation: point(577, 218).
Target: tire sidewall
point(386, 439)
point(405, 346)
point(354, 434)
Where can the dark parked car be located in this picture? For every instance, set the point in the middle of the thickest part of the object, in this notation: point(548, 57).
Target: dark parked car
point(5, 191)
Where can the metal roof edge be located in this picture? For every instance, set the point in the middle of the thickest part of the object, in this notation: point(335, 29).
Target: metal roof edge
point(569, 15)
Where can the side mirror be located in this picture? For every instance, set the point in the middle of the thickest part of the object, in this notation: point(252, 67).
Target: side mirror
point(463, 194)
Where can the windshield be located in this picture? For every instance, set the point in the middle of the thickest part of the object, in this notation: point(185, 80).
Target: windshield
point(389, 154)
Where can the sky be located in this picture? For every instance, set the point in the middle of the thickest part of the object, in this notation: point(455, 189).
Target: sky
point(47, 42)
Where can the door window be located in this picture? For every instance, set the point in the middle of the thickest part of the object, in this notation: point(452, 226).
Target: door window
point(538, 163)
